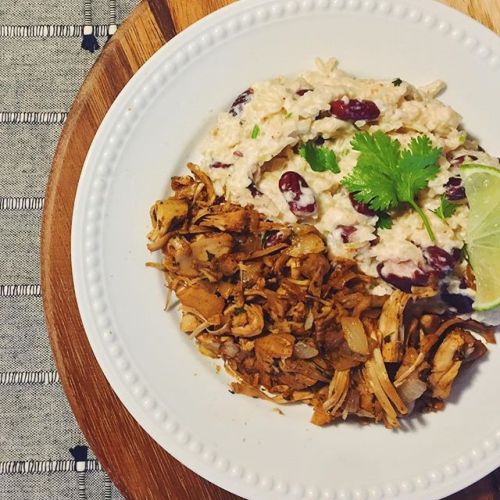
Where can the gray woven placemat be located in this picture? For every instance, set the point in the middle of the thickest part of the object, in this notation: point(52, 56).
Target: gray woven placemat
point(45, 52)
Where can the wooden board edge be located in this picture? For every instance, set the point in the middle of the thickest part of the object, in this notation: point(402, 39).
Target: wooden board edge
point(51, 287)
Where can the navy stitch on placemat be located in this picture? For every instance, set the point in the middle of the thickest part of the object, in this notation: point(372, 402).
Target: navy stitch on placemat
point(80, 454)
point(89, 41)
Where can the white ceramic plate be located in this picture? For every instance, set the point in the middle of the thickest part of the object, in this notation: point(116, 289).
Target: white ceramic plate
point(148, 135)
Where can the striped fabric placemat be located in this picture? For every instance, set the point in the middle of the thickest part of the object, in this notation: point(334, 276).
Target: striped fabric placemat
point(47, 48)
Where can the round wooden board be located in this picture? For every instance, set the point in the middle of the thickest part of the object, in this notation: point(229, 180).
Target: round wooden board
point(138, 466)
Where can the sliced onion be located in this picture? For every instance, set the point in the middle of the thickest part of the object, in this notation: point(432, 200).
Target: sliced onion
point(411, 389)
point(229, 349)
point(304, 351)
point(354, 333)
point(199, 329)
point(309, 321)
point(219, 331)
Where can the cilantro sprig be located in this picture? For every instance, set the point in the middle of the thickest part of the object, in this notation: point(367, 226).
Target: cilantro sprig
point(320, 158)
point(386, 176)
point(446, 209)
point(255, 132)
point(384, 221)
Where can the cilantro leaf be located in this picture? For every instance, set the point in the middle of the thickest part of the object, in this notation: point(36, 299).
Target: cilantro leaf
point(371, 181)
point(397, 82)
point(446, 208)
point(320, 158)
point(255, 132)
point(378, 150)
point(384, 221)
point(385, 176)
point(417, 166)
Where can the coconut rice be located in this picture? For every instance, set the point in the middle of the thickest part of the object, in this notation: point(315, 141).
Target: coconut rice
point(255, 142)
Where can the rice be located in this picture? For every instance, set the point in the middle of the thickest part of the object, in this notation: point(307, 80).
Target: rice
point(251, 147)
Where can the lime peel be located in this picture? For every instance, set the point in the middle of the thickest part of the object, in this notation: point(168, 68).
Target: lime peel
point(482, 186)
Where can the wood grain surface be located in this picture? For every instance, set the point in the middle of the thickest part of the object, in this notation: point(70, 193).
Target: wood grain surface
point(486, 12)
point(138, 466)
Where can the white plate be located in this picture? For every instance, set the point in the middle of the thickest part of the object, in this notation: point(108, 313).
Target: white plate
point(149, 133)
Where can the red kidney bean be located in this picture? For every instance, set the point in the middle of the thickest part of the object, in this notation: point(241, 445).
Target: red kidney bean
point(456, 161)
point(439, 260)
point(461, 303)
point(219, 164)
point(272, 238)
point(241, 100)
point(326, 113)
point(354, 110)
point(403, 274)
point(254, 190)
point(360, 207)
point(456, 253)
point(346, 232)
point(454, 189)
point(298, 194)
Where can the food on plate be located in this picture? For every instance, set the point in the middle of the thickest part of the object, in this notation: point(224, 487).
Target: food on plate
point(292, 324)
point(374, 165)
point(322, 247)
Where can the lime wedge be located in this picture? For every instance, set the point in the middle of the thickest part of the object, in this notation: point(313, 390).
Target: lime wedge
point(482, 185)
